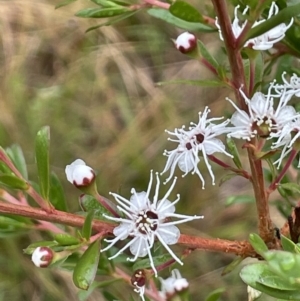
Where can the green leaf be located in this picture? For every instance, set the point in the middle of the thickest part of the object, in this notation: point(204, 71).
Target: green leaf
point(215, 295)
point(13, 182)
point(66, 239)
point(114, 20)
point(42, 143)
point(283, 16)
point(258, 244)
point(88, 203)
point(232, 265)
point(201, 83)
point(86, 268)
point(207, 55)
point(107, 3)
point(109, 297)
point(224, 179)
point(259, 68)
point(291, 187)
point(64, 3)
point(239, 199)
point(4, 168)
point(145, 263)
point(87, 226)
point(246, 65)
point(83, 295)
point(288, 245)
point(101, 12)
point(234, 151)
point(185, 11)
point(16, 155)
point(284, 264)
point(57, 196)
point(255, 274)
point(165, 15)
point(29, 250)
point(11, 223)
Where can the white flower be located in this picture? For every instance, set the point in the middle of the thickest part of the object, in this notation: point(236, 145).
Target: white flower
point(291, 87)
point(263, 119)
point(186, 42)
point(200, 137)
point(173, 284)
point(42, 257)
point(286, 140)
point(264, 41)
point(79, 174)
point(144, 221)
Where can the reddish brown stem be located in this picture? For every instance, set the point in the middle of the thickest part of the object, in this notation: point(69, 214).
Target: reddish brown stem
point(265, 226)
point(54, 217)
point(238, 80)
point(158, 4)
point(240, 172)
point(275, 183)
point(47, 206)
point(241, 248)
point(234, 56)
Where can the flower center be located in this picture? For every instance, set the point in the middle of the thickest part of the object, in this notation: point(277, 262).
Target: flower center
point(139, 278)
point(146, 222)
point(263, 127)
point(199, 139)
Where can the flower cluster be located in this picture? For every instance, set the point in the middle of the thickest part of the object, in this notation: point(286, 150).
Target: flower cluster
point(199, 139)
point(264, 41)
point(264, 119)
point(145, 221)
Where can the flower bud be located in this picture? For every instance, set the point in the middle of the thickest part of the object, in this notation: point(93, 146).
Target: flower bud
point(138, 280)
point(79, 174)
point(186, 42)
point(42, 257)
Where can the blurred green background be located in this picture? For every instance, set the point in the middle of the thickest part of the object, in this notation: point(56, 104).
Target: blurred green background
point(97, 92)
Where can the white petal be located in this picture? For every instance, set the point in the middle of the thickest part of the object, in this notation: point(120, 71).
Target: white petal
point(142, 251)
point(259, 104)
point(124, 230)
point(165, 208)
point(240, 118)
point(187, 162)
point(169, 234)
point(140, 200)
point(214, 145)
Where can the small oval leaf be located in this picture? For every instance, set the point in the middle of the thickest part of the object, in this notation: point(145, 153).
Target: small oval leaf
point(185, 11)
point(42, 143)
point(101, 12)
point(87, 226)
point(13, 182)
point(57, 196)
point(66, 239)
point(86, 268)
point(257, 243)
point(16, 155)
point(165, 15)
